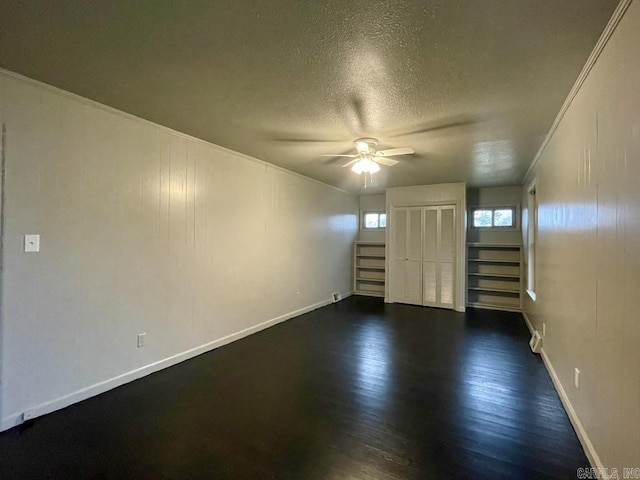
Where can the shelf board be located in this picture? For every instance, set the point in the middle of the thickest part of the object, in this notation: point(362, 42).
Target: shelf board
point(491, 289)
point(372, 280)
point(499, 275)
point(370, 255)
point(494, 245)
point(491, 306)
point(484, 260)
point(368, 294)
point(364, 267)
point(361, 242)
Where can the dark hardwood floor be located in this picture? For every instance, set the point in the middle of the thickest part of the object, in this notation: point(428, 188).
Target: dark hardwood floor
point(355, 390)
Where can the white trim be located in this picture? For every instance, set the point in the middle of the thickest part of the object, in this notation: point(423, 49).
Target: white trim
point(595, 54)
point(528, 322)
point(587, 446)
point(532, 294)
point(16, 418)
point(115, 111)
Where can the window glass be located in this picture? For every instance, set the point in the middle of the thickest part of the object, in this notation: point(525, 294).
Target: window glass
point(503, 217)
point(482, 218)
point(499, 217)
point(371, 220)
point(374, 220)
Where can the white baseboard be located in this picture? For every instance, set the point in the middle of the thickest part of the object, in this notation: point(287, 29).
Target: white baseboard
point(15, 419)
point(528, 322)
point(587, 446)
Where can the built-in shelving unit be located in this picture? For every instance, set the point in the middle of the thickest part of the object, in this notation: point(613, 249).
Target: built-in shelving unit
point(369, 268)
point(494, 276)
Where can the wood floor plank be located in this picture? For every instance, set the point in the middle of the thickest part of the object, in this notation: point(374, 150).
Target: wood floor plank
point(356, 390)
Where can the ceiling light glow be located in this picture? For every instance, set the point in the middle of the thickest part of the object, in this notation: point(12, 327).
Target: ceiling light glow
point(366, 165)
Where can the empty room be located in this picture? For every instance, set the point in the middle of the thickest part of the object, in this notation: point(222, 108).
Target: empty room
point(360, 240)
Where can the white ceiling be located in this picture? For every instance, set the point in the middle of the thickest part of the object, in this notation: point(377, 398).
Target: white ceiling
point(473, 86)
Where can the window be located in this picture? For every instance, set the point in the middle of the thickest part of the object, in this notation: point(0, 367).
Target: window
point(532, 238)
point(499, 217)
point(374, 220)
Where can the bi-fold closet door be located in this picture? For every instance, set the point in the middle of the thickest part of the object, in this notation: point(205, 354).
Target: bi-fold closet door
point(424, 256)
point(406, 278)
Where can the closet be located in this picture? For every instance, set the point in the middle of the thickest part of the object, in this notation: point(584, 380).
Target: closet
point(424, 253)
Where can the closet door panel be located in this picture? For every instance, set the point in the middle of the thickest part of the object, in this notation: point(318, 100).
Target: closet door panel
point(446, 250)
point(400, 234)
point(413, 282)
point(430, 257)
point(429, 273)
point(398, 286)
point(430, 235)
point(446, 284)
point(446, 256)
point(413, 277)
point(398, 275)
point(414, 233)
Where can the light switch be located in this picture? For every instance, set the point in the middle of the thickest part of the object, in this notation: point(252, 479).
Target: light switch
point(32, 243)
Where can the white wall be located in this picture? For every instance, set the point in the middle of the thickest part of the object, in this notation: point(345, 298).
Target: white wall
point(145, 230)
point(494, 197)
point(372, 203)
point(440, 194)
point(588, 255)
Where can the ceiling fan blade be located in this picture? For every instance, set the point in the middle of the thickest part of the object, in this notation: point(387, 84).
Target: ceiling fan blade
point(395, 151)
point(389, 162)
point(348, 164)
point(455, 122)
point(337, 155)
point(302, 140)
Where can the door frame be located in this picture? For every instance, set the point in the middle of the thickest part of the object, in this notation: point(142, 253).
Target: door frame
point(459, 299)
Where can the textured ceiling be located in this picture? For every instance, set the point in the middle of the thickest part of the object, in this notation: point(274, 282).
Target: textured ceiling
point(473, 86)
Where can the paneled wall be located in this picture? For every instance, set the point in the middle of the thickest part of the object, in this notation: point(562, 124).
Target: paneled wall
point(588, 251)
point(145, 230)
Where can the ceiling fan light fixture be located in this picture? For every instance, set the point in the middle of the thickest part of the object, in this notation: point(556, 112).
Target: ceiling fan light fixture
point(366, 165)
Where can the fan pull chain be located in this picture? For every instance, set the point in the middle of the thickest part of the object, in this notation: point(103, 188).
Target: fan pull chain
point(370, 179)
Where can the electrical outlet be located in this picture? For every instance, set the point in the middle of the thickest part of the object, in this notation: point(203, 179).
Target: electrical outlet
point(336, 297)
point(141, 339)
point(576, 379)
point(544, 329)
point(32, 243)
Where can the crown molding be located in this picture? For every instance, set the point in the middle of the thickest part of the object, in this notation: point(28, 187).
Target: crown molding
point(591, 61)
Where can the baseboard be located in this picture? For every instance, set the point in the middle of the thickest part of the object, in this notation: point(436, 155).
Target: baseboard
point(528, 322)
point(587, 446)
point(15, 419)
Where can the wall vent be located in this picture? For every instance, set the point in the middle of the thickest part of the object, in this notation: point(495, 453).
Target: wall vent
point(536, 342)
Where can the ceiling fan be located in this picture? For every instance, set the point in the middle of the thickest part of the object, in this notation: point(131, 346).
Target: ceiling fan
point(367, 158)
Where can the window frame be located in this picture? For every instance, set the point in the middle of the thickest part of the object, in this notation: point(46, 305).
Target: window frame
point(363, 216)
point(532, 239)
point(493, 208)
